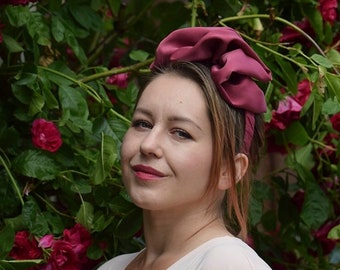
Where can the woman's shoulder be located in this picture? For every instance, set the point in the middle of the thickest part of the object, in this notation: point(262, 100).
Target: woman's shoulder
point(118, 263)
point(233, 252)
point(227, 253)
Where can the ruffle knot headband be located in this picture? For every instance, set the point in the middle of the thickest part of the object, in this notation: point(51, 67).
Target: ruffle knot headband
point(233, 65)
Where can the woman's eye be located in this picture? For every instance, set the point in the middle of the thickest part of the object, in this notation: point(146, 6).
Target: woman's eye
point(141, 124)
point(182, 134)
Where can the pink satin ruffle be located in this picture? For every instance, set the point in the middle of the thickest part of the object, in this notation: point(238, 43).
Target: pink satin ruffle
point(233, 63)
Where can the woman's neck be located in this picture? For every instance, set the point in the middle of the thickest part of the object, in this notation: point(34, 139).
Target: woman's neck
point(178, 232)
point(170, 234)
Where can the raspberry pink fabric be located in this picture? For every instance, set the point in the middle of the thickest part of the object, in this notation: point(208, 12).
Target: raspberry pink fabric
point(233, 63)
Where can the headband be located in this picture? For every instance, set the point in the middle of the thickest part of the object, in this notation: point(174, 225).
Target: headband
point(233, 66)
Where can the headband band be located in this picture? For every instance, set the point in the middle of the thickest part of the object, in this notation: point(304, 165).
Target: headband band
point(233, 66)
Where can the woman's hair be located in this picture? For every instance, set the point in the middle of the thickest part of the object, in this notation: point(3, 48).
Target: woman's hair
point(227, 126)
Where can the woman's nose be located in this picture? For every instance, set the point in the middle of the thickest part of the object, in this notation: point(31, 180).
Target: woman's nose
point(151, 143)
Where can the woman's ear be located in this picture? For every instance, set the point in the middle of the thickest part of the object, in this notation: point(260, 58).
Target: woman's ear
point(241, 166)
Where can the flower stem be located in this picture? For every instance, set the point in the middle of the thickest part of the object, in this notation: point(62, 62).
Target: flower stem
point(52, 207)
point(193, 13)
point(268, 16)
point(116, 71)
point(14, 182)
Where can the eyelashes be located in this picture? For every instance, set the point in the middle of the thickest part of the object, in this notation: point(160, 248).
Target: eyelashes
point(141, 124)
point(179, 133)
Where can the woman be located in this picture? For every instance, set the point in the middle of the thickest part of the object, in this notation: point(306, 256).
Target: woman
point(195, 132)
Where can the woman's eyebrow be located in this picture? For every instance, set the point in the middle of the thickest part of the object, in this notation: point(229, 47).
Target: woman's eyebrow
point(177, 118)
point(143, 111)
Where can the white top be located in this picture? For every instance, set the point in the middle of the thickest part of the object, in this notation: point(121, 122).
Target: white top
point(221, 253)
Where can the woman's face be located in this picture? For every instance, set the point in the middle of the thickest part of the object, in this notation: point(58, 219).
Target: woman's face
point(167, 151)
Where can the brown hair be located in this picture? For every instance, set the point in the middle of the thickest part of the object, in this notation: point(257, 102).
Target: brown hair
point(227, 125)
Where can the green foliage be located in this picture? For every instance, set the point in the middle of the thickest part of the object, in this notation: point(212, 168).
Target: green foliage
point(55, 61)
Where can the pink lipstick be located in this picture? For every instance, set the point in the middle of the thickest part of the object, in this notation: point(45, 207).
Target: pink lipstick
point(145, 173)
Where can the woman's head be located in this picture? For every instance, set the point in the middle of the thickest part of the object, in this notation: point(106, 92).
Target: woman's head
point(224, 67)
point(227, 129)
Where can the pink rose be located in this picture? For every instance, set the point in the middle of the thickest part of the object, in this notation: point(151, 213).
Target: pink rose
point(47, 241)
point(291, 36)
point(45, 135)
point(121, 80)
point(288, 111)
point(321, 236)
point(328, 9)
point(80, 239)
point(304, 89)
point(335, 120)
point(25, 247)
point(63, 256)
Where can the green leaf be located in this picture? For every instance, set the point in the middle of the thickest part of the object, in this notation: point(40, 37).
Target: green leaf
point(26, 78)
point(333, 83)
point(17, 222)
point(105, 160)
point(101, 222)
point(58, 29)
point(85, 215)
point(81, 186)
point(37, 103)
point(334, 233)
point(322, 61)
point(86, 17)
point(94, 252)
point(334, 56)
point(129, 224)
point(9, 195)
point(38, 29)
point(269, 220)
point(316, 207)
point(114, 6)
point(129, 95)
point(318, 101)
point(36, 164)
point(34, 219)
point(55, 222)
point(296, 134)
point(18, 15)
point(59, 73)
point(120, 205)
point(74, 106)
point(331, 106)
point(288, 75)
point(287, 211)
point(12, 45)
point(301, 157)
point(77, 49)
point(6, 240)
point(139, 55)
point(46, 89)
point(315, 19)
point(255, 211)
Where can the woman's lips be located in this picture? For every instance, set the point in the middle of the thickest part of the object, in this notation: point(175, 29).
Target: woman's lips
point(144, 172)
